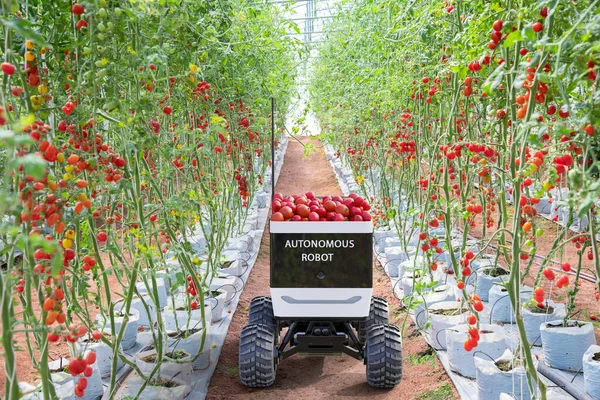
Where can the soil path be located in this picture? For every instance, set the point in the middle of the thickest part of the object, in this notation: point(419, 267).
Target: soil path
point(329, 377)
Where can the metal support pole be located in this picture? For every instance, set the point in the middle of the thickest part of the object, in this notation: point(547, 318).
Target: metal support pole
point(272, 148)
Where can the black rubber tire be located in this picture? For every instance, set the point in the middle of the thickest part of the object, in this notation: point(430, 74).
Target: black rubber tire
point(261, 311)
point(383, 353)
point(257, 364)
point(378, 315)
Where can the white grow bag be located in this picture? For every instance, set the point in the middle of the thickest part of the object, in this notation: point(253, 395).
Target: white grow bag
point(436, 333)
point(463, 362)
point(532, 321)
point(591, 372)
point(192, 344)
point(131, 328)
point(500, 307)
point(492, 382)
point(564, 347)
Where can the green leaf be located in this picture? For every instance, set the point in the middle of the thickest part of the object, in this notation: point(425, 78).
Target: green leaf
point(33, 165)
point(391, 213)
point(23, 28)
point(534, 140)
point(519, 80)
point(56, 265)
point(512, 38)
point(529, 33)
point(585, 206)
point(494, 80)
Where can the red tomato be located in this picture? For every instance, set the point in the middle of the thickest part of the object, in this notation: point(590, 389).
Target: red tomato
point(287, 212)
point(301, 200)
point(90, 358)
point(303, 211)
point(468, 345)
point(277, 217)
point(549, 274)
point(329, 206)
point(313, 216)
point(78, 392)
point(82, 382)
point(8, 68)
point(342, 209)
point(77, 9)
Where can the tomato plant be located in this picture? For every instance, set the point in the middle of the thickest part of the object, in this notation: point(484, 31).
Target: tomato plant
point(128, 126)
point(463, 119)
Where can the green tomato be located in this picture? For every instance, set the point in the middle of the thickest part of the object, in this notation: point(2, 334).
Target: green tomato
point(99, 64)
point(86, 51)
point(100, 37)
point(102, 3)
point(101, 27)
point(110, 26)
point(118, 12)
point(539, 232)
point(102, 13)
point(102, 73)
point(89, 91)
point(111, 105)
point(576, 178)
point(101, 49)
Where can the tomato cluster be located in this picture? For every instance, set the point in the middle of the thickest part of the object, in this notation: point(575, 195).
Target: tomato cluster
point(308, 207)
point(82, 367)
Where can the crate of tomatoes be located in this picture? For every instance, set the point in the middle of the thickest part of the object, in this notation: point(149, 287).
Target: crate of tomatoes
point(308, 207)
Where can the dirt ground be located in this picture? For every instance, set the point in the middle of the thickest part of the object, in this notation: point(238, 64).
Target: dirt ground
point(324, 377)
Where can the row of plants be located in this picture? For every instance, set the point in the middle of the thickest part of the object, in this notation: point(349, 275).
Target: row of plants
point(468, 119)
point(135, 135)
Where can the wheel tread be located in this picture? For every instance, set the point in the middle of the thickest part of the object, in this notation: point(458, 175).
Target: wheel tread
point(378, 315)
point(261, 311)
point(256, 358)
point(384, 356)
